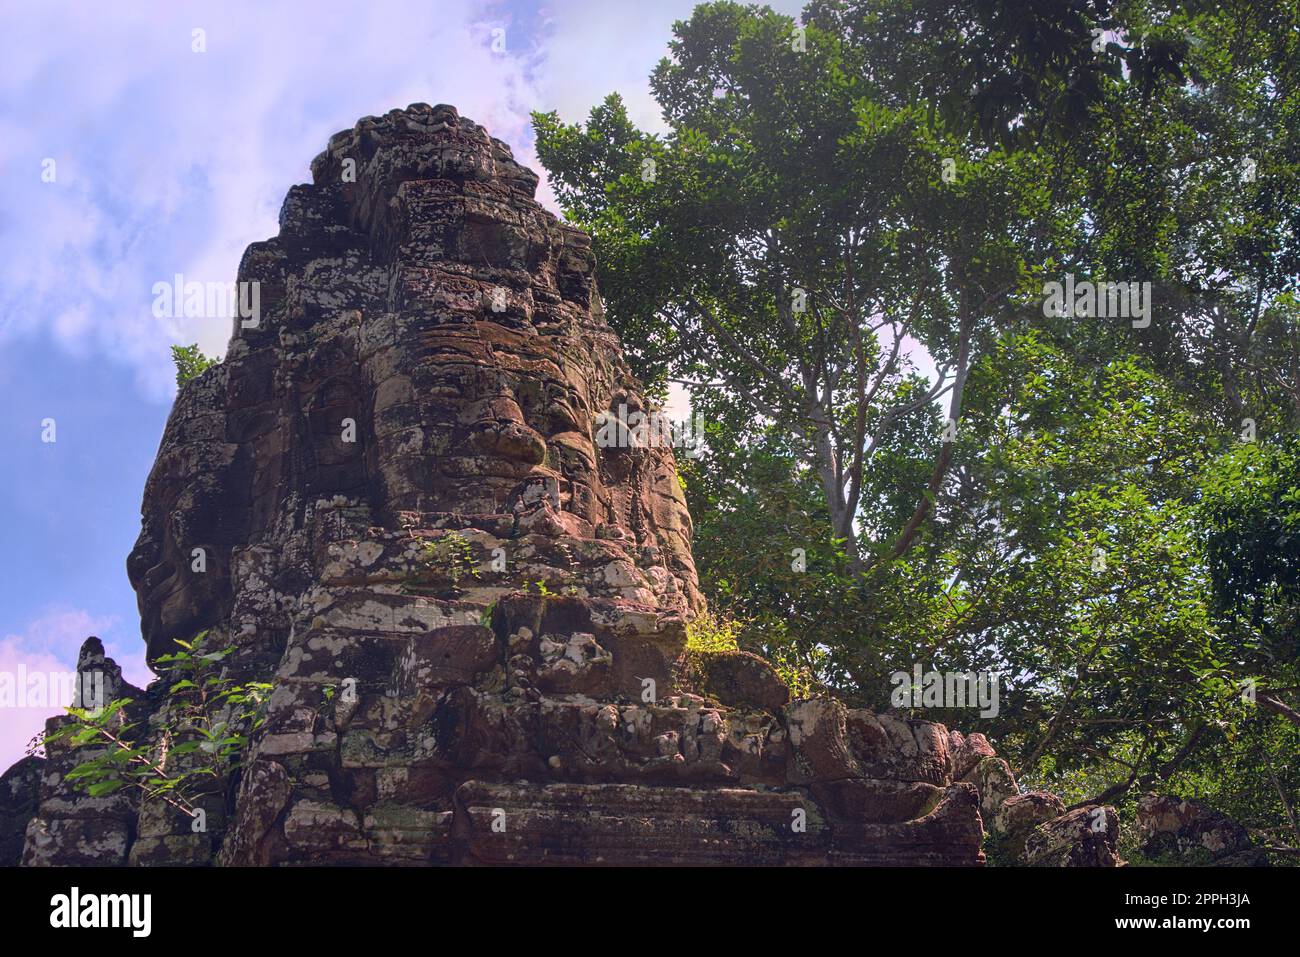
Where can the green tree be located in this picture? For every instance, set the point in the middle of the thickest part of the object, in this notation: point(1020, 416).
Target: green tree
point(1095, 528)
point(789, 236)
point(190, 362)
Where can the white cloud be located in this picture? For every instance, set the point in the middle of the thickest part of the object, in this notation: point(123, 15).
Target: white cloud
point(173, 161)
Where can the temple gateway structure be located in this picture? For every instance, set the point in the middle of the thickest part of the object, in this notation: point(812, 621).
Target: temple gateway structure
point(387, 503)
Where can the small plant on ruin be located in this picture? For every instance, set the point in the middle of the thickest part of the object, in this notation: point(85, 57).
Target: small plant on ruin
point(190, 362)
point(35, 747)
point(454, 552)
point(206, 724)
point(708, 633)
point(799, 675)
point(711, 632)
point(571, 566)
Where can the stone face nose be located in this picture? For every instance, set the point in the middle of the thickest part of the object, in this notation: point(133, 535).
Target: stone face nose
point(498, 430)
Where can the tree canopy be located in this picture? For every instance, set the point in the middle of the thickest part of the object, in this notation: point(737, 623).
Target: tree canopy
point(842, 245)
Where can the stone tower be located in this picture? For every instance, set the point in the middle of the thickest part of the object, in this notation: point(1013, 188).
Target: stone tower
point(388, 501)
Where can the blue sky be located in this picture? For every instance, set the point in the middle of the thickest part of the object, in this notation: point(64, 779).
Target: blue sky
point(167, 160)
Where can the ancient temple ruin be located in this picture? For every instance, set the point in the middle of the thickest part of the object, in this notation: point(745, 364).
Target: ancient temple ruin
point(474, 616)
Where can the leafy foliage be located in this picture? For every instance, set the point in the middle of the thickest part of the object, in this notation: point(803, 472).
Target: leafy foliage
point(190, 362)
point(711, 633)
point(1095, 529)
point(452, 554)
point(202, 732)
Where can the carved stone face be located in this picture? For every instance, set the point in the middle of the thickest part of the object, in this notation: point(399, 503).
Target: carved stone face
point(429, 353)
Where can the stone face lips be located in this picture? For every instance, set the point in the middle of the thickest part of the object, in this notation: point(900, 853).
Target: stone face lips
point(388, 501)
